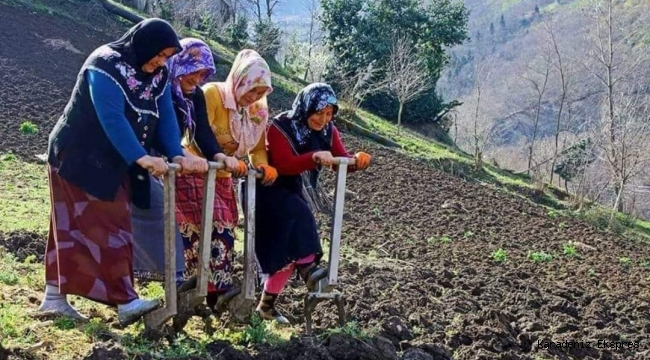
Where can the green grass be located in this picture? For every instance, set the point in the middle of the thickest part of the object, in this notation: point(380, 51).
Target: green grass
point(24, 195)
point(352, 329)
point(642, 227)
point(72, 340)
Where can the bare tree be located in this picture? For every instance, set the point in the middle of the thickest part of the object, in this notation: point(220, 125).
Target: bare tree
point(318, 60)
point(263, 10)
point(355, 87)
point(406, 77)
point(477, 128)
point(538, 79)
point(313, 34)
point(626, 150)
point(611, 62)
point(561, 67)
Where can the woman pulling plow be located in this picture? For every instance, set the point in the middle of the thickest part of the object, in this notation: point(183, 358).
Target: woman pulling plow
point(120, 109)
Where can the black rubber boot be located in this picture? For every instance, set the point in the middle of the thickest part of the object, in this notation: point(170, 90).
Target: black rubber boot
point(217, 302)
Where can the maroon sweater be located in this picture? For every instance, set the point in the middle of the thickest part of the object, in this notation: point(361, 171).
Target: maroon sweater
point(286, 162)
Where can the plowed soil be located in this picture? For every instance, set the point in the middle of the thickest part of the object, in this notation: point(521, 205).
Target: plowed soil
point(417, 259)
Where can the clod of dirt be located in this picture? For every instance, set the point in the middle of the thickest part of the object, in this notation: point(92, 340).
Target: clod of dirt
point(23, 244)
point(106, 351)
point(223, 350)
point(436, 352)
point(15, 354)
point(396, 330)
point(345, 347)
point(416, 354)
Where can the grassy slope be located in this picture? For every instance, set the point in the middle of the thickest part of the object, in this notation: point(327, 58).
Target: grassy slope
point(25, 207)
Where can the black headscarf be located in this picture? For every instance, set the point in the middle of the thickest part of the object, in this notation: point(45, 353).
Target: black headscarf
point(145, 40)
point(293, 123)
point(122, 61)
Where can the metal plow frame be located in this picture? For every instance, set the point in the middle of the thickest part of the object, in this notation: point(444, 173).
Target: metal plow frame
point(325, 289)
point(194, 296)
point(242, 303)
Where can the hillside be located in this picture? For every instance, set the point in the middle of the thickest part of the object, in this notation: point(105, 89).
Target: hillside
point(435, 264)
point(508, 38)
point(519, 48)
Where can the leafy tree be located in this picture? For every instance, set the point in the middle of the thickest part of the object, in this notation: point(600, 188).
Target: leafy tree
point(238, 31)
point(267, 39)
point(576, 159)
point(360, 32)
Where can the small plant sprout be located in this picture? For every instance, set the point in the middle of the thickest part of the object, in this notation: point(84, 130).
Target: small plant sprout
point(626, 261)
point(499, 256)
point(28, 128)
point(540, 256)
point(591, 272)
point(569, 250)
point(552, 214)
point(645, 264)
point(468, 234)
point(445, 240)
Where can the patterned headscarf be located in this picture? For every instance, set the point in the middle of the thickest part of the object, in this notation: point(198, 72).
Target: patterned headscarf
point(196, 56)
point(293, 123)
point(249, 70)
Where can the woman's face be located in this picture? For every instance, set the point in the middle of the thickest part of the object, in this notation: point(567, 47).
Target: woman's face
point(252, 96)
point(158, 60)
point(319, 119)
point(190, 81)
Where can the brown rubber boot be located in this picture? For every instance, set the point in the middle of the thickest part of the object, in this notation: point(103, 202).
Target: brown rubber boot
point(311, 274)
point(267, 311)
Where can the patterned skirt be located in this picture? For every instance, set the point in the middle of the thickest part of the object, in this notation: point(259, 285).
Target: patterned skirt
point(89, 247)
point(189, 198)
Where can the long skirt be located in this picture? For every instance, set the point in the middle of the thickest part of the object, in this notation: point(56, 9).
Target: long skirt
point(189, 203)
point(285, 229)
point(149, 236)
point(89, 247)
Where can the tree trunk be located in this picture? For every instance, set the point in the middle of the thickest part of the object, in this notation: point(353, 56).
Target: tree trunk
point(399, 117)
point(311, 45)
point(134, 18)
point(619, 196)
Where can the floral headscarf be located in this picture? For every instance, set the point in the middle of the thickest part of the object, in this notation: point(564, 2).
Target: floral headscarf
point(196, 56)
point(249, 70)
point(311, 99)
